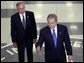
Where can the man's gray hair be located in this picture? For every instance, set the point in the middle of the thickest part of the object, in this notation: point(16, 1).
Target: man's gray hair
point(50, 16)
point(18, 3)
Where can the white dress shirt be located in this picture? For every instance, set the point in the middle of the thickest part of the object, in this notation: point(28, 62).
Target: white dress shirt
point(21, 17)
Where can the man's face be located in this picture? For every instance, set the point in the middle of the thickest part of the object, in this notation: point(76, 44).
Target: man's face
point(21, 8)
point(52, 22)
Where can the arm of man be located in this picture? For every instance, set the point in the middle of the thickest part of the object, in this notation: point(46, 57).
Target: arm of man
point(70, 58)
point(34, 28)
point(13, 32)
point(40, 42)
point(68, 45)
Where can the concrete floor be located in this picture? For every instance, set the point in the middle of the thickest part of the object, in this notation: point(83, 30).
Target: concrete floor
point(9, 55)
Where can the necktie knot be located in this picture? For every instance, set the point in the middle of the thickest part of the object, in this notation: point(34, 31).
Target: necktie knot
point(22, 15)
point(53, 30)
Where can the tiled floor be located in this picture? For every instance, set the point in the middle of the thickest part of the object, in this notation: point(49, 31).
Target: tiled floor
point(12, 56)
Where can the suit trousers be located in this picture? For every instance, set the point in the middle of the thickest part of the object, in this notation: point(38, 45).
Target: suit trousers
point(21, 50)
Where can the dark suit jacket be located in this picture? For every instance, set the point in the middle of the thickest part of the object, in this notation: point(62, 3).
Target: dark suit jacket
point(62, 37)
point(18, 33)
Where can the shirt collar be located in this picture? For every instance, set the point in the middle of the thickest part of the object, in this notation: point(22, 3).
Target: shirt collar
point(54, 28)
point(22, 14)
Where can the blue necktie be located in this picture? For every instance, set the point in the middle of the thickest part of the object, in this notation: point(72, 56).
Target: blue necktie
point(24, 23)
point(54, 38)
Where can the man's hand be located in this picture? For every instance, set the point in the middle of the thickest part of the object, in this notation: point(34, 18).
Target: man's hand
point(34, 41)
point(38, 49)
point(70, 58)
point(14, 44)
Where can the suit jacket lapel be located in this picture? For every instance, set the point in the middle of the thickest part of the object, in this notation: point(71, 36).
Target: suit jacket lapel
point(59, 33)
point(50, 35)
point(27, 18)
point(19, 20)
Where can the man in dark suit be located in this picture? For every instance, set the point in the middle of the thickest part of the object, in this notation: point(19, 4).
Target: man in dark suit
point(55, 36)
point(23, 31)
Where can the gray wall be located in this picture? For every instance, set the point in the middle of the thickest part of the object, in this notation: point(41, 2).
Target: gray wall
point(70, 13)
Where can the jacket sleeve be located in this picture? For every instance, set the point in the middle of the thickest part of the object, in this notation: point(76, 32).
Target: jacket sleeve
point(67, 42)
point(13, 30)
point(34, 28)
point(40, 40)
